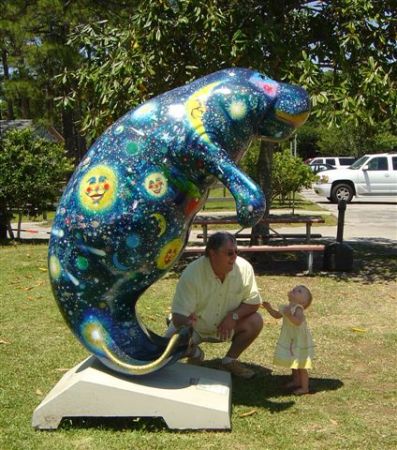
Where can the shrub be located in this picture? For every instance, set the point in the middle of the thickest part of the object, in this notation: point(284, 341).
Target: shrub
point(32, 170)
point(290, 174)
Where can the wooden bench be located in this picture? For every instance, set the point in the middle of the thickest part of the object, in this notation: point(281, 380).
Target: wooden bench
point(308, 221)
point(306, 248)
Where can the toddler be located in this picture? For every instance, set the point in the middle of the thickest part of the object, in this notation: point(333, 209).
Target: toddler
point(295, 348)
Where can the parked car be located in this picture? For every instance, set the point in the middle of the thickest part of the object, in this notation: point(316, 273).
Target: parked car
point(319, 167)
point(369, 176)
point(334, 161)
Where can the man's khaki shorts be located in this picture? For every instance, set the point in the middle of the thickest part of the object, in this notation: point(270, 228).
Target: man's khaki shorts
point(196, 338)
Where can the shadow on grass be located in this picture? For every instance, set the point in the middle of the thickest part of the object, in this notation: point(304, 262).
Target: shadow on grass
point(264, 391)
point(264, 388)
point(374, 260)
point(147, 424)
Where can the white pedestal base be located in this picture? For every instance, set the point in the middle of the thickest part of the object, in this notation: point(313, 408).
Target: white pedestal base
point(186, 396)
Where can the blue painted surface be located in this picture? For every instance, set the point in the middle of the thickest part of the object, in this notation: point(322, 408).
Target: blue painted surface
point(125, 215)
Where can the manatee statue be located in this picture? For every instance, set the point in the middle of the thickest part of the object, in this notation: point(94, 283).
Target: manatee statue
point(125, 215)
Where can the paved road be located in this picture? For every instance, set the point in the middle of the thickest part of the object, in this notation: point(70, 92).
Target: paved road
point(364, 217)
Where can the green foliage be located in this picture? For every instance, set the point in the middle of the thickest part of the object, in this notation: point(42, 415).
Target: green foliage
point(385, 142)
point(31, 170)
point(349, 69)
point(250, 160)
point(344, 57)
point(345, 140)
point(308, 137)
point(342, 52)
point(290, 174)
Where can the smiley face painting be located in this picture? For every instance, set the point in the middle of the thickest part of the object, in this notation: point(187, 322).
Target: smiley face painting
point(98, 189)
point(125, 215)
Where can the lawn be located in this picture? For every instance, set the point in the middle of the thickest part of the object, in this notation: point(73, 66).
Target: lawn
point(353, 400)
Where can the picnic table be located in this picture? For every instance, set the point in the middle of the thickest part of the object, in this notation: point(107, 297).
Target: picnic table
point(205, 221)
point(285, 219)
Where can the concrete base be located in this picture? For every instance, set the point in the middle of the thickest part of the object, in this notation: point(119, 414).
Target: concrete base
point(186, 396)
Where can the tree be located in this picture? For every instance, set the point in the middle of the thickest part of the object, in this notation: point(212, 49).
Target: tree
point(33, 46)
point(346, 140)
point(343, 56)
point(32, 171)
point(341, 51)
point(290, 175)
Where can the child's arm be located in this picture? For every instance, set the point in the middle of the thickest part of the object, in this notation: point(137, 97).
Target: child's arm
point(297, 318)
point(273, 312)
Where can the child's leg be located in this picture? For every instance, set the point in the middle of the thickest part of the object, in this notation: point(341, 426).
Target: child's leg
point(303, 382)
point(295, 382)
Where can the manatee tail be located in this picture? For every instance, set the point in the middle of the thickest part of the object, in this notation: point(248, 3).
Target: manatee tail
point(103, 346)
point(135, 369)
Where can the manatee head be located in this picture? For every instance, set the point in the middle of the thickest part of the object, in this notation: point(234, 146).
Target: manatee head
point(286, 108)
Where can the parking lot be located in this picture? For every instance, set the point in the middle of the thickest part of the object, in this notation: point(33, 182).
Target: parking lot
point(364, 217)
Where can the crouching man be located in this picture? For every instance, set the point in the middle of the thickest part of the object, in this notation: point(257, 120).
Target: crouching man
point(218, 297)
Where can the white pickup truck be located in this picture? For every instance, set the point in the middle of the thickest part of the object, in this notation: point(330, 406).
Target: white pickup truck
point(368, 176)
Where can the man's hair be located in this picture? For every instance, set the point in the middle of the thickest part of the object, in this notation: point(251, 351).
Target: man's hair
point(217, 240)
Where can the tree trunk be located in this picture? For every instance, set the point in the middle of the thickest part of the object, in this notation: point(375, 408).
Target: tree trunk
point(260, 232)
point(10, 108)
point(5, 222)
point(19, 224)
point(74, 142)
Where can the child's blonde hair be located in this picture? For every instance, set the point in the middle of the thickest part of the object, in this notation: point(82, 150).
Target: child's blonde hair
point(309, 297)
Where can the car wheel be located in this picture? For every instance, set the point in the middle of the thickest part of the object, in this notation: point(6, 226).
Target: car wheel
point(341, 192)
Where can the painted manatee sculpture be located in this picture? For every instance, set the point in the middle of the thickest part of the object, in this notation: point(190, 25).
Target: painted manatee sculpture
point(125, 215)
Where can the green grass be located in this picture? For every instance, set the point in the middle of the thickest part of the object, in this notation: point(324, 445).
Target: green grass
point(354, 385)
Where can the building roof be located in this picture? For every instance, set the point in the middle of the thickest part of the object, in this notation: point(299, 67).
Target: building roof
point(49, 133)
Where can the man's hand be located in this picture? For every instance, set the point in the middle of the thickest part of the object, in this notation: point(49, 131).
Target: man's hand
point(191, 320)
point(180, 321)
point(226, 327)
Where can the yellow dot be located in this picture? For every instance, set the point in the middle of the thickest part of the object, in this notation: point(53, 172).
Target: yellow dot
point(55, 267)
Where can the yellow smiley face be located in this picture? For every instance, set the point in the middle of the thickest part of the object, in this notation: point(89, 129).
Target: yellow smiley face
point(169, 253)
point(98, 187)
point(156, 184)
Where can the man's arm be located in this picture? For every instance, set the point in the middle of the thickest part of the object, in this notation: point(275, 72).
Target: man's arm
point(228, 324)
point(184, 302)
point(245, 310)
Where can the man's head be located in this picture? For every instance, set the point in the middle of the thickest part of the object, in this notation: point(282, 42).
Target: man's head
point(221, 250)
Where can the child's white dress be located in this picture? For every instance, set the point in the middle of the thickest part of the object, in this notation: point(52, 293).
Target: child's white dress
point(295, 347)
